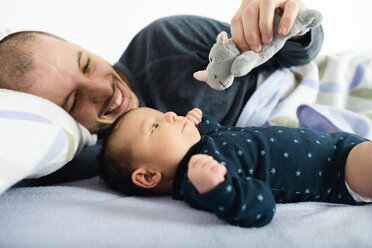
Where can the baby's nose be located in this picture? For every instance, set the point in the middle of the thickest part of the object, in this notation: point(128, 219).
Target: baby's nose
point(171, 116)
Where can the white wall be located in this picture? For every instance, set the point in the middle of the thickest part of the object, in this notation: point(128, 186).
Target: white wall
point(106, 27)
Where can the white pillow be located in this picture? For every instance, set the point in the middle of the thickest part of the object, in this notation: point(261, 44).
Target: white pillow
point(37, 137)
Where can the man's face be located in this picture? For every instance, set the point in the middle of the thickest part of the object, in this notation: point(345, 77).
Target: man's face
point(82, 83)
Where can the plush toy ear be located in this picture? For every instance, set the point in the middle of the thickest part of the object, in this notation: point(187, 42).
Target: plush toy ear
point(145, 178)
point(222, 37)
point(201, 76)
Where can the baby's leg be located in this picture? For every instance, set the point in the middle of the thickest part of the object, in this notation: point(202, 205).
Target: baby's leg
point(358, 169)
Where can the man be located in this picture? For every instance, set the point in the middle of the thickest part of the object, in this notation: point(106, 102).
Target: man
point(155, 70)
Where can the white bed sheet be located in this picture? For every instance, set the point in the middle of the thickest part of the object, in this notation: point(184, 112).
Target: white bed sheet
point(87, 214)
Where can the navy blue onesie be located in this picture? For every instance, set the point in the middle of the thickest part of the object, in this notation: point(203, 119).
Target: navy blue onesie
point(266, 165)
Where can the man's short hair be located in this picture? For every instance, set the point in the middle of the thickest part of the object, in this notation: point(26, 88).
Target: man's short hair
point(17, 59)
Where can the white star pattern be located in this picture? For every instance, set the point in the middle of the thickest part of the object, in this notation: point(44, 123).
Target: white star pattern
point(264, 143)
point(229, 188)
point(260, 197)
point(207, 122)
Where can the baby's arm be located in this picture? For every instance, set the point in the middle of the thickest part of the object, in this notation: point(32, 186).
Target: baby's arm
point(205, 173)
point(195, 115)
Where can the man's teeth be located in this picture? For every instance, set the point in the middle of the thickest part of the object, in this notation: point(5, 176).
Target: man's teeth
point(117, 102)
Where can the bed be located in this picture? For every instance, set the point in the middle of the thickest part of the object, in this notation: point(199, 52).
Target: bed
point(87, 214)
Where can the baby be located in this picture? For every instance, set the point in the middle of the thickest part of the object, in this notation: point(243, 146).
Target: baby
point(236, 173)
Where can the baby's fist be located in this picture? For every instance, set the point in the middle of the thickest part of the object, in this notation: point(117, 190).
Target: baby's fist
point(195, 115)
point(205, 173)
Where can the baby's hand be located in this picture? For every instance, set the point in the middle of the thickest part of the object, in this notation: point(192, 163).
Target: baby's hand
point(195, 115)
point(205, 173)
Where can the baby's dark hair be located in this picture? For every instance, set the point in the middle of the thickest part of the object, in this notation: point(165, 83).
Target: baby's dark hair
point(116, 167)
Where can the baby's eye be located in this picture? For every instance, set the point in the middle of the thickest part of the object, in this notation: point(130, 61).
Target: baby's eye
point(154, 127)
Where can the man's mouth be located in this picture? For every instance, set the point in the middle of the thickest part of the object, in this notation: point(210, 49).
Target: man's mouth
point(117, 104)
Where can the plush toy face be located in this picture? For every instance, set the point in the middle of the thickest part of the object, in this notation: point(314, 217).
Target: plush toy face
point(220, 61)
point(222, 55)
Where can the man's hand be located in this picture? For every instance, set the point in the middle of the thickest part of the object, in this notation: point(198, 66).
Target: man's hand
point(252, 25)
point(195, 115)
point(205, 173)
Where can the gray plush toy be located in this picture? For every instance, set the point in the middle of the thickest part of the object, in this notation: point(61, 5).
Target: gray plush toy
point(226, 61)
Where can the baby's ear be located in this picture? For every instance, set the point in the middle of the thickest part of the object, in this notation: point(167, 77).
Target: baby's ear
point(146, 178)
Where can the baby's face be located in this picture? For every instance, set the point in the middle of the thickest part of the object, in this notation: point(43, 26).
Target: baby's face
point(157, 138)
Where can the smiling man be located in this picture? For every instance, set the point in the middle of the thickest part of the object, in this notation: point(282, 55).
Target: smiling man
point(156, 70)
point(82, 83)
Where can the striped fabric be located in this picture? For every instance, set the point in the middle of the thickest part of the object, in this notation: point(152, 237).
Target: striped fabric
point(336, 88)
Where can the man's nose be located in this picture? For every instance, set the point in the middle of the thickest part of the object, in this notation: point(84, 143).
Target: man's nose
point(170, 117)
point(98, 90)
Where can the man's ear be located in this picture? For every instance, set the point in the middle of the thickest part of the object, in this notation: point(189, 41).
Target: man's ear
point(146, 178)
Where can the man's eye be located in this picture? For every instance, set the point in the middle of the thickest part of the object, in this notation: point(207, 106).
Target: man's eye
point(154, 127)
point(86, 66)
